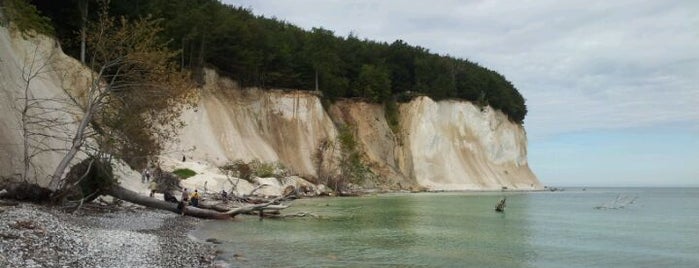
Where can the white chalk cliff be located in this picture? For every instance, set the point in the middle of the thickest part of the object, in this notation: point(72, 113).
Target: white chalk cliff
point(445, 145)
point(37, 66)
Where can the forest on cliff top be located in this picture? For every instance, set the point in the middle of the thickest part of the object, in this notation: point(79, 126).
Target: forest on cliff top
point(271, 53)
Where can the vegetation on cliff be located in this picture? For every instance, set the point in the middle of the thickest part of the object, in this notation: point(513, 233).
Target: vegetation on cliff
point(126, 108)
point(25, 17)
point(268, 52)
point(129, 104)
point(143, 60)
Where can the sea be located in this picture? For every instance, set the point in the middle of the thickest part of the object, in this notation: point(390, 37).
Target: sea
point(576, 227)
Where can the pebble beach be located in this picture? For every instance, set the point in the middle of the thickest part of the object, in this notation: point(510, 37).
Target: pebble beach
point(99, 236)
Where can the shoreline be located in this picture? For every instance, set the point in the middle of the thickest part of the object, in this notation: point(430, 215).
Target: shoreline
point(125, 235)
point(99, 235)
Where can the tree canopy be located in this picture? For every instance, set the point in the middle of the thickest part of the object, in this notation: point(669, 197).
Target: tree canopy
point(271, 53)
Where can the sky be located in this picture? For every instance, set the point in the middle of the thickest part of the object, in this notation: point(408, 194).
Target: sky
point(610, 86)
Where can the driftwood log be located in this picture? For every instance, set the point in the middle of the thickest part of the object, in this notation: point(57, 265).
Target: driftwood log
point(224, 208)
point(213, 213)
point(500, 207)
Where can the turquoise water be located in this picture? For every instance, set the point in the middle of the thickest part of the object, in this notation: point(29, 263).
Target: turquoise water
point(544, 229)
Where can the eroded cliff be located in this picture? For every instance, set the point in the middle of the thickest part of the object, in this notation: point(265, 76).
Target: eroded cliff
point(456, 145)
point(446, 145)
point(38, 80)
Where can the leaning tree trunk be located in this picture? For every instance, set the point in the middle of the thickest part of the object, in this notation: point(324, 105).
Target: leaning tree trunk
point(136, 198)
point(57, 180)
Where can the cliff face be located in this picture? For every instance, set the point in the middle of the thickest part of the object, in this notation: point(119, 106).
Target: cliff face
point(271, 126)
point(455, 145)
point(36, 70)
point(446, 145)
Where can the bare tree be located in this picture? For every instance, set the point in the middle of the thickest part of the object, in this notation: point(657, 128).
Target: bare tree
point(136, 92)
point(39, 113)
point(28, 104)
point(44, 119)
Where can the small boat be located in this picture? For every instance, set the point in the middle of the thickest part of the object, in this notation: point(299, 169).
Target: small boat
point(500, 207)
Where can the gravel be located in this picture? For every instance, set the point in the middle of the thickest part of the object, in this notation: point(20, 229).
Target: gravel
point(38, 236)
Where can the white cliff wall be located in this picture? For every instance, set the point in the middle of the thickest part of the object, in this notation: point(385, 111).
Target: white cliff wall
point(453, 145)
point(52, 76)
point(446, 145)
point(231, 124)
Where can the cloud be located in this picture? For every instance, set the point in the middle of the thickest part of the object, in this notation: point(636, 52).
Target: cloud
point(581, 65)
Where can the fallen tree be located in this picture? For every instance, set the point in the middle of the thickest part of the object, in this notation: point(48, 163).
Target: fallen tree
point(133, 197)
point(130, 107)
point(30, 192)
point(222, 208)
point(93, 177)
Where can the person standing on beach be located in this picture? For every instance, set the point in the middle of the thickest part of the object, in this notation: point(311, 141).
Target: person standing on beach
point(195, 198)
point(153, 186)
point(183, 202)
point(185, 195)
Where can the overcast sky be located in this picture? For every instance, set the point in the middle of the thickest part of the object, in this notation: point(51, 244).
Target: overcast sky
point(611, 86)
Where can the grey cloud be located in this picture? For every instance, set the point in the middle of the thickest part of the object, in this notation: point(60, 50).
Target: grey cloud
point(581, 65)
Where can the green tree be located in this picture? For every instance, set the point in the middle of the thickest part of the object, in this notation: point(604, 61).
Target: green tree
point(401, 61)
point(374, 83)
point(321, 49)
point(268, 53)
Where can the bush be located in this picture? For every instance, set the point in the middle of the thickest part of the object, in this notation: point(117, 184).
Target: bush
point(166, 182)
point(239, 169)
point(266, 170)
point(246, 171)
point(184, 173)
point(263, 170)
point(352, 166)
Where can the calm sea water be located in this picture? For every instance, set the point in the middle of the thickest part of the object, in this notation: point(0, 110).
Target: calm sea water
point(547, 229)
